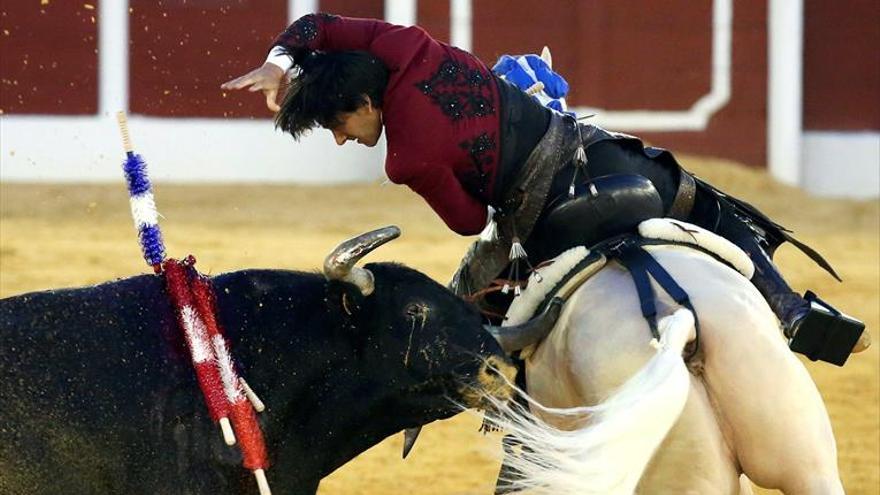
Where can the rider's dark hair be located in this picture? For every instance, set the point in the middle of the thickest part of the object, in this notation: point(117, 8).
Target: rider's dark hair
point(328, 84)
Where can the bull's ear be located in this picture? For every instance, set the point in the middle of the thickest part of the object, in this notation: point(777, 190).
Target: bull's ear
point(344, 302)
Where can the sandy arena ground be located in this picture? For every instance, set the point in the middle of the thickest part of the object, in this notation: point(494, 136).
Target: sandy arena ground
point(55, 236)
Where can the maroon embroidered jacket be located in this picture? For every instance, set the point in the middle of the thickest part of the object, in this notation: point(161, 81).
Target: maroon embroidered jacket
point(440, 112)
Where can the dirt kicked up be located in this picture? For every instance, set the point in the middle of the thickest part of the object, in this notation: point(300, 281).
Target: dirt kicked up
point(66, 235)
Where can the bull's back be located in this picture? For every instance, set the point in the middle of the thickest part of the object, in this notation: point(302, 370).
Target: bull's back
point(83, 372)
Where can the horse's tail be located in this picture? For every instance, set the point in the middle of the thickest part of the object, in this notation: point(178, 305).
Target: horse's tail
point(614, 440)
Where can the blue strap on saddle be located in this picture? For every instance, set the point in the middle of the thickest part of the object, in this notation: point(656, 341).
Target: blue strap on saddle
point(642, 267)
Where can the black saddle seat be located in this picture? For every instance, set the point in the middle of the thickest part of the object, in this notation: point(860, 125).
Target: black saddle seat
point(602, 208)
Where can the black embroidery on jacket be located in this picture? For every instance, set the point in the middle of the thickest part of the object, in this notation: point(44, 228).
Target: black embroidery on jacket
point(305, 29)
point(481, 150)
point(459, 91)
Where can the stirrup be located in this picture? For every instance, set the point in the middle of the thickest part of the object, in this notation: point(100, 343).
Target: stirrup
point(824, 333)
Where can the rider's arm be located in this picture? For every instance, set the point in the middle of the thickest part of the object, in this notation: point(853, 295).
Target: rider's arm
point(396, 46)
point(393, 44)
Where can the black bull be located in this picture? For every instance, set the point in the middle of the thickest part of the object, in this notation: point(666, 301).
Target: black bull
point(97, 393)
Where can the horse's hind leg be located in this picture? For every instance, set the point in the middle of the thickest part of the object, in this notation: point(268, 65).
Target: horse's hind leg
point(770, 407)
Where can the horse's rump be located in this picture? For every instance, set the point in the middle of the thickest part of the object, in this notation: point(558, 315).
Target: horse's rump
point(741, 408)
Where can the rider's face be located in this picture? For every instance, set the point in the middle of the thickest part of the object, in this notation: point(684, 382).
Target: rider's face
point(364, 125)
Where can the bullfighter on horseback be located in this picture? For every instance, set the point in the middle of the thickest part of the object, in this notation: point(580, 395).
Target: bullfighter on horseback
point(468, 140)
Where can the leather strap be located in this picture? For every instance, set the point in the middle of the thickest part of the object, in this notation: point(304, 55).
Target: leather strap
point(684, 197)
point(642, 267)
point(638, 270)
point(520, 207)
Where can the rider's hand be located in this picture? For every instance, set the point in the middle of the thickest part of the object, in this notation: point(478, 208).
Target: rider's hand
point(266, 79)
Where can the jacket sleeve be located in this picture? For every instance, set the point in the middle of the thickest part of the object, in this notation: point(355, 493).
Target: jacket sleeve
point(443, 192)
point(394, 45)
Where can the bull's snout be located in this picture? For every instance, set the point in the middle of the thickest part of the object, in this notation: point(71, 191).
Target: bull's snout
point(494, 378)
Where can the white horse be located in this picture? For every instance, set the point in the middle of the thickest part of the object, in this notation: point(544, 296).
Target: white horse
point(613, 414)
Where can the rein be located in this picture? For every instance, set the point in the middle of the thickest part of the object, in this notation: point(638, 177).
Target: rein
point(230, 401)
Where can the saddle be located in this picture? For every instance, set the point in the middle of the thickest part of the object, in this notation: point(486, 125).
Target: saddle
point(555, 282)
point(599, 209)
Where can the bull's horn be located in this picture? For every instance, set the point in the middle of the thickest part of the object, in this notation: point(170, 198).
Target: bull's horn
point(517, 337)
point(410, 435)
point(339, 265)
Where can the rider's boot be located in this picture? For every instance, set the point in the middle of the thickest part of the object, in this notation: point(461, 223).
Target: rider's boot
point(813, 327)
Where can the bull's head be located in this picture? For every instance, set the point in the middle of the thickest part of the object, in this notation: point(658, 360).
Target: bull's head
point(431, 342)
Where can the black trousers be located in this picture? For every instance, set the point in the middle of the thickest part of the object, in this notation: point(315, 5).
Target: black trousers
point(710, 212)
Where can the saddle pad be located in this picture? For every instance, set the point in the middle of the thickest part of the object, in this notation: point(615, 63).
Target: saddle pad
point(667, 229)
point(541, 282)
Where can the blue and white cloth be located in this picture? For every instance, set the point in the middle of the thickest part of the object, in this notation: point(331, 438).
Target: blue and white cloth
point(526, 70)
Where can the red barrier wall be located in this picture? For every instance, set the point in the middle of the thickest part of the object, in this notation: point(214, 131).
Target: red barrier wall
point(434, 17)
point(617, 55)
point(739, 130)
point(354, 8)
point(48, 57)
point(842, 65)
point(651, 56)
point(181, 51)
point(614, 56)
